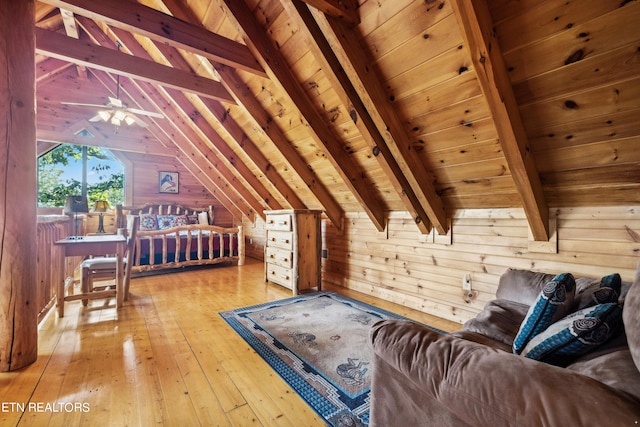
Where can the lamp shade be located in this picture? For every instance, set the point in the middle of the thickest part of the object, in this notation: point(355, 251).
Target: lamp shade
point(101, 206)
point(76, 204)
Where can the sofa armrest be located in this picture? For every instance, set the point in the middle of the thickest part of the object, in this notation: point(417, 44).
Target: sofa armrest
point(486, 386)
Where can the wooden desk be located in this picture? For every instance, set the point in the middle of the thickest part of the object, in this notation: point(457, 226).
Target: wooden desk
point(106, 244)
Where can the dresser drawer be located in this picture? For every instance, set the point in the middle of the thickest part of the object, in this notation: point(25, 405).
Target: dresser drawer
point(279, 222)
point(280, 239)
point(280, 275)
point(281, 257)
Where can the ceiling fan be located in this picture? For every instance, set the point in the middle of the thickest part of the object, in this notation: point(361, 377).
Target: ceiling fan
point(116, 112)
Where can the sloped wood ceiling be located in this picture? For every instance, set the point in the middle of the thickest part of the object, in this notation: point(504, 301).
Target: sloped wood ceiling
point(423, 106)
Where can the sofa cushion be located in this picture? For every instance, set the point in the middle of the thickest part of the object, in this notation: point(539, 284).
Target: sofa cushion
point(631, 318)
point(554, 302)
point(499, 320)
point(522, 286)
point(576, 334)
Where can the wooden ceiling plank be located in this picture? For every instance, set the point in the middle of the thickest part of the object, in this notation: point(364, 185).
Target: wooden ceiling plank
point(48, 68)
point(346, 10)
point(140, 19)
point(477, 29)
point(353, 57)
point(234, 131)
point(93, 56)
point(69, 22)
point(244, 98)
point(281, 74)
point(183, 138)
point(341, 83)
point(166, 132)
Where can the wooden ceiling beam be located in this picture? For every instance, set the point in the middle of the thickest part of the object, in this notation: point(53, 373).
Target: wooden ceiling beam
point(148, 97)
point(476, 24)
point(281, 74)
point(340, 82)
point(358, 66)
point(345, 10)
point(244, 98)
point(209, 136)
point(93, 56)
point(140, 19)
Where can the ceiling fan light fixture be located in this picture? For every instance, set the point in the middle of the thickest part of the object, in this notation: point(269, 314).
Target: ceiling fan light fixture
point(115, 121)
point(129, 120)
point(104, 115)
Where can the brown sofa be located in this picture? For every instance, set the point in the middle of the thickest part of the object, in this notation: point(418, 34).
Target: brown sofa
point(472, 377)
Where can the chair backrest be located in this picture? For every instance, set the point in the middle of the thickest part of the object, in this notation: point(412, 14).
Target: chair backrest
point(133, 223)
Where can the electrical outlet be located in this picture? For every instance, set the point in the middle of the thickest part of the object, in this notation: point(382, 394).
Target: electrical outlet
point(466, 282)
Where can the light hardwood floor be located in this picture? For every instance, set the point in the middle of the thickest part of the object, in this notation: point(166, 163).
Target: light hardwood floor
point(166, 358)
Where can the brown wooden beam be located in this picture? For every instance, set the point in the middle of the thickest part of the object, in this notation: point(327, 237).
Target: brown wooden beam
point(476, 24)
point(90, 55)
point(358, 65)
point(345, 10)
point(140, 19)
point(281, 74)
point(244, 98)
point(18, 192)
point(318, 45)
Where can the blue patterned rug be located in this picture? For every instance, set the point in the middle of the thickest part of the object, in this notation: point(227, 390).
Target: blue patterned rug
point(318, 343)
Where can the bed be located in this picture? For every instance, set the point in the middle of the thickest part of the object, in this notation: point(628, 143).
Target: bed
point(173, 236)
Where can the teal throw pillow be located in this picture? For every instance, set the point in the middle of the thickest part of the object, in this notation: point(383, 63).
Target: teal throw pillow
point(608, 291)
point(576, 334)
point(553, 303)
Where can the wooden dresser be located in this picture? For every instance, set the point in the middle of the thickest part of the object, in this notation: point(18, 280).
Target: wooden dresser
point(292, 249)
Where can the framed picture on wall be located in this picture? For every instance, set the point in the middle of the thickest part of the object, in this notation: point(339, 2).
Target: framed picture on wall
point(168, 182)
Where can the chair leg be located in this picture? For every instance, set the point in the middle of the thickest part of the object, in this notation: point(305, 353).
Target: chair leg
point(84, 284)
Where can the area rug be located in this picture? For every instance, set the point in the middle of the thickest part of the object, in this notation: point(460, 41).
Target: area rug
point(318, 343)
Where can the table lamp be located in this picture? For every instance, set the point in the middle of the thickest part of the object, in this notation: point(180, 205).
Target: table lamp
point(74, 205)
point(101, 206)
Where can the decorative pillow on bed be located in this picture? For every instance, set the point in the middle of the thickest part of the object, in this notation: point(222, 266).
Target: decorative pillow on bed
point(181, 220)
point(166, 221)
point(576, 334)
point(553, 303)
point(203, 218)
point(148, 222)
point(192, 218)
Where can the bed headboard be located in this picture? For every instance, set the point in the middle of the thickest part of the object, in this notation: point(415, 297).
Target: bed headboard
point(160, 209)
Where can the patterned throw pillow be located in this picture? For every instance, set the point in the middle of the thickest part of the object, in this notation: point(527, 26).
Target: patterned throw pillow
point(148, 222)
point(181, 220)
point(166, 221)
point(192, 218)
point(575, 334)
point(608, 291)
point(553, 303)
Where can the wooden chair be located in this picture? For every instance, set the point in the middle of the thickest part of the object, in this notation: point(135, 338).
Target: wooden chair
point(104, 268)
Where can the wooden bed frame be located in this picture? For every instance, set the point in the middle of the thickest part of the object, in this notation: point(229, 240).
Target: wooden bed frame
point(167, 248)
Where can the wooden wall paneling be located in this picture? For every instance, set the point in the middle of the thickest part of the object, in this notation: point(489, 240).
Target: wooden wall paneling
point(592, 242)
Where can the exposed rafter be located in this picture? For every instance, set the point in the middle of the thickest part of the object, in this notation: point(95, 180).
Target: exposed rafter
point(140, 19)
point(477, 29)
point(244, 98)
point(321, 49)
point(354, 59)
point(62, 47)
point(346, 10)
point(280, 73)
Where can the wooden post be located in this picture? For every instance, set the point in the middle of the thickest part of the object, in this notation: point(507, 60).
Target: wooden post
point(18, 188)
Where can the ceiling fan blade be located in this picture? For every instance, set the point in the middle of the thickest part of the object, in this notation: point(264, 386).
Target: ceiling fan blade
point(95, 118)
point(145, 113)
point(138, 121)
point(80, 104)
point(116, 102)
